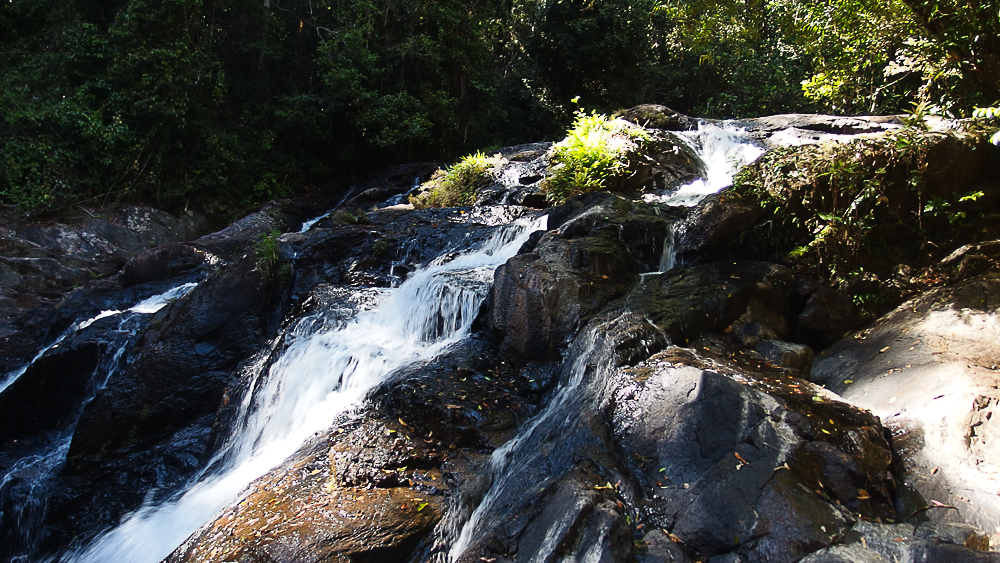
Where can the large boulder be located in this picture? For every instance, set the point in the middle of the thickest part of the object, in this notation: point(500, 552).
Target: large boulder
point(928, 370)
point(596, 248)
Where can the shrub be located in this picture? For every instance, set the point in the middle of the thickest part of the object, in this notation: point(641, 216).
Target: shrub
point(597, 154)
point(457, 185)
point(381, 247)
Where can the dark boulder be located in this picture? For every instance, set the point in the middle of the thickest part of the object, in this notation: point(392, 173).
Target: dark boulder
point(596, 248)
point(163, 262)
point(712, 225)
point(655, 116)
point(181, 366)
point(687, 303)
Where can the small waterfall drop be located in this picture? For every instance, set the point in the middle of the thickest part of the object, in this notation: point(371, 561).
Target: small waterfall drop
point(724, 150)
point(668, 258)
point(525, 464)
point(318, 376)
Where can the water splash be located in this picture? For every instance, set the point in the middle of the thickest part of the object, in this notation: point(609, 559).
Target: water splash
point(724, 150)
point(319, 376)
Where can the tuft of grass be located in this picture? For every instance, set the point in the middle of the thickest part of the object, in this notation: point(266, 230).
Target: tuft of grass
point(598, 153)
point(268, 253)
point(457, 185)
point(343, 217)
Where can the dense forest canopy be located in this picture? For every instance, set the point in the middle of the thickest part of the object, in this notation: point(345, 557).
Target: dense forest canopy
point(222, 104)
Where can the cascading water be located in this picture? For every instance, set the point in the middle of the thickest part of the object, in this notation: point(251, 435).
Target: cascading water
point(508, 465)
point(318, 376)
point(146, 306)
point(724, 150)
point(27, 480)
point(516, 467)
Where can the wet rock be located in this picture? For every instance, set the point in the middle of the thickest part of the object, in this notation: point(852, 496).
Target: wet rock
point(577, 524)
point(658, 547)
point(673, 162)
point(723, 464)
point(686, 303)
point(49, 393)
point(298, 512)
point(180, 366)
point(517, 179)
point(715, 220)
point(796, 357)
point(150, 427)
point(398, 181)
point(241, 236)
point(163, 262)
point(655, 116)
point(41, 263)
point(826, 314)
point(753, 333)
point(596, 248)
point(540, 299)
point(930, 543)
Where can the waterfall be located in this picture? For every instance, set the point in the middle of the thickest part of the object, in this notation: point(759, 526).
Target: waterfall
point(724, 150)
point(317, 376)
point(28, 479)
point(668, 258)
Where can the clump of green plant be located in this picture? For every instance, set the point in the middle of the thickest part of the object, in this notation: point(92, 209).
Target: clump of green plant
point(598, 153)
point(381, 247)
point(457, 185)
point(849, 213)
point(268, 253)
point(342, 217)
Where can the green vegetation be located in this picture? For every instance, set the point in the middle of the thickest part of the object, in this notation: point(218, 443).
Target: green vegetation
point(849, 214)
point(220, 105)
point(381, 247)
point(860, 56)
point(268, 254)
point(457, 185)
point(597, 154)
point(343, 217)
point(991, 114)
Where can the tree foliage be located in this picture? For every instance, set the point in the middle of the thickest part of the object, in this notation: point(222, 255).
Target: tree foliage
point(223, 104)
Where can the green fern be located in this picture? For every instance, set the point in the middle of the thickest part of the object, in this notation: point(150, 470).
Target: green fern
point(597, 154)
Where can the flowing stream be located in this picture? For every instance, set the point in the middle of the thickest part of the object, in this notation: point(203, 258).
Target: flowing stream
point(319, 375)
point(28, 479)
point(324, 365)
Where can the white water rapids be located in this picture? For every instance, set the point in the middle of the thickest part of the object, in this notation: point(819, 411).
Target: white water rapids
point(724, 150)
point(319, 376)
